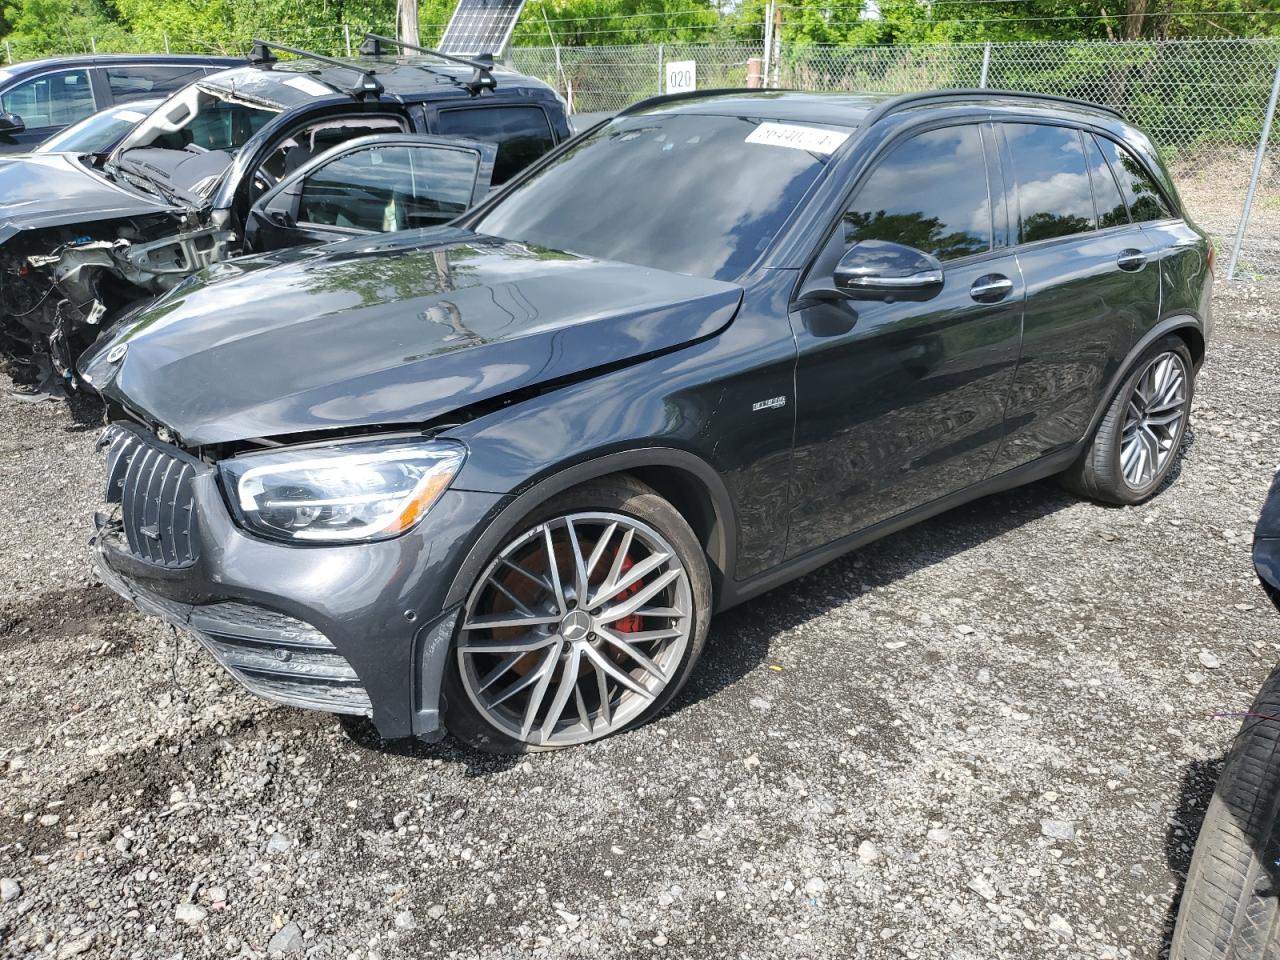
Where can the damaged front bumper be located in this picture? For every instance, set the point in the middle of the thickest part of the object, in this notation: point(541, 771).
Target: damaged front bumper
point(356, 629)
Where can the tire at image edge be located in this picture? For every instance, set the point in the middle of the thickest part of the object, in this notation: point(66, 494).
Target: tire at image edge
point(1230, 909)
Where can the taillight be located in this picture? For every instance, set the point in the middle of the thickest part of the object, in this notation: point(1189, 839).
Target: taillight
point(1213, 259)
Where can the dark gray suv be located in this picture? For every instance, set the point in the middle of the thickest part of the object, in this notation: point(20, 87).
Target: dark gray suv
point(498, 475)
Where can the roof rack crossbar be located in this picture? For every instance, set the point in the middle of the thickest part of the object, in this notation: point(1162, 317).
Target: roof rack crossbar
point(482, 79)
point(369, 84)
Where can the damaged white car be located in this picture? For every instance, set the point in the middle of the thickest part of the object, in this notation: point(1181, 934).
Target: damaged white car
point(259, 157)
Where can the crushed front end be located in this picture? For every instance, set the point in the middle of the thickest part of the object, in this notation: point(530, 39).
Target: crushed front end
point(61, 286)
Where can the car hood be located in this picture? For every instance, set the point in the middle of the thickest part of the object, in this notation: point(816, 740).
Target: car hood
point(52, 189)
point(388, 332)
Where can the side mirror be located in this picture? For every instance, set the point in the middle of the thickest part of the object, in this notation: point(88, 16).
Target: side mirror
point(271, 221)
point(280, 216)
point(11, 123)
point(880, 270)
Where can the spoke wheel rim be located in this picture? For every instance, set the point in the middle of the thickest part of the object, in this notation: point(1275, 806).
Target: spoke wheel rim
point(1153, 423)
point(575, 629)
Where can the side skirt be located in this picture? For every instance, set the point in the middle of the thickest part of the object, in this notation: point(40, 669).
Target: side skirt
point(736, 593)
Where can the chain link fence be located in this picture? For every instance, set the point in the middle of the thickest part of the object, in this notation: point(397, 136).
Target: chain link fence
point(1204, 102)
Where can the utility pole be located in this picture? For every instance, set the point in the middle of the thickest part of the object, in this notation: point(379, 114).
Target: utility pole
point(777, 45)
point(407, 21)
point(1263, 138)
point(768, 40)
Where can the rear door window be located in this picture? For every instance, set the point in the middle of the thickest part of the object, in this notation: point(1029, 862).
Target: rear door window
point(523, 134)
point(1112, 210)
point(52, 100)
point(138, 81)
point(930, 193)
point(1055, 197)
point(1140, 191)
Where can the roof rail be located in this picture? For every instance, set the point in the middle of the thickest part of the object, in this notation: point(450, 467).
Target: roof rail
point(969, 93)
point(481, 80)
point(677, 97)
point(262, 54)
point(881, 110)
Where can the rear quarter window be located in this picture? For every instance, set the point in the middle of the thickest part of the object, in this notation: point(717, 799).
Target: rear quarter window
point(135, 81)
point(522, 134)
point(1145, 200)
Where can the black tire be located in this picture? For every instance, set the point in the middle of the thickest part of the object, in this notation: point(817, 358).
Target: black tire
point(1230, 906)
point(619, 494)
point(1097, 474)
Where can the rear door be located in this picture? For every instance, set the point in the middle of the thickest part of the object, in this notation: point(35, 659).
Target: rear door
point(1091, 285)
point(46, 103)
point(522, 132)
point(898, 402)
point(373, 185)
point(1182, 249)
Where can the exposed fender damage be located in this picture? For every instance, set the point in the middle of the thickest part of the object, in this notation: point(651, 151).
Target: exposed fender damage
point(82, 240)
point(54, 303)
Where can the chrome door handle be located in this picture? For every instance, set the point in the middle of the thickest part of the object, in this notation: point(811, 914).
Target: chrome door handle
point(992, 288)
point(1131, 260)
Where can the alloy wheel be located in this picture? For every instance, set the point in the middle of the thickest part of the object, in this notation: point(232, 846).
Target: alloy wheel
point(1153, 422)
point(575, 629)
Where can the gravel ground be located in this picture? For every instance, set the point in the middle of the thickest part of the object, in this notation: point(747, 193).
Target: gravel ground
point(988, 736)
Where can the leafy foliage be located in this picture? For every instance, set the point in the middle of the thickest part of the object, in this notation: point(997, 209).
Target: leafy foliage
point(40, 27)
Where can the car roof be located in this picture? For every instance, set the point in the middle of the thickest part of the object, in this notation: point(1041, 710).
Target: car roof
point(860, 109)
point(108, 59)
point(847, 109)
point(290, 83)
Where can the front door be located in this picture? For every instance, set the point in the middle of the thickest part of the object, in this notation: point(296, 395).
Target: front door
point(900, 403)
point(378, 184)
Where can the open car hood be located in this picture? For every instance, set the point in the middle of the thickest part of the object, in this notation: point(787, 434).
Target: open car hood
point(398, 330)
point(52, 189)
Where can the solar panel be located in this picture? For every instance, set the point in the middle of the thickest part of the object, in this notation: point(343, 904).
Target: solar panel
point(480, 26)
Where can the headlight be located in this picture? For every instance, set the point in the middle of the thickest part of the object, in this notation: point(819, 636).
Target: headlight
point(339, 494)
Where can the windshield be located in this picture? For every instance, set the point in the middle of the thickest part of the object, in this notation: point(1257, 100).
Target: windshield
point(201, 117)
point(693, 194)
point(98, 133)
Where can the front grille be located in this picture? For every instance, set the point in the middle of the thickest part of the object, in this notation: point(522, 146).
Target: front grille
point(152, 485)
point(271, 654)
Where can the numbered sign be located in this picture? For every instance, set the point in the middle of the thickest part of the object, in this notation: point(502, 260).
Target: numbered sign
point(682, 76)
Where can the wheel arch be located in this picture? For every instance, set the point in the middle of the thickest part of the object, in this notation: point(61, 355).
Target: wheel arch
point(688, 482)
point(1186, 327)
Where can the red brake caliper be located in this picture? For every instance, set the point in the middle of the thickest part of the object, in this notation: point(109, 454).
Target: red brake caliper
point(634, 622)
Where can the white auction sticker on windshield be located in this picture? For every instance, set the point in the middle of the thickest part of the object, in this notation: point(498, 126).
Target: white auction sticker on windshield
point(797, 137)
point(132, 116)
point(307, 85)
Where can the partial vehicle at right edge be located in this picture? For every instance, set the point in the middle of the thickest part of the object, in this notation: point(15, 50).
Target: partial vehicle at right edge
point(1230, 906)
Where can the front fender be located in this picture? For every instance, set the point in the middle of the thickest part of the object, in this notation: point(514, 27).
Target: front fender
point(720, 545)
